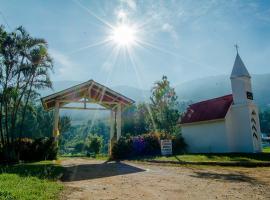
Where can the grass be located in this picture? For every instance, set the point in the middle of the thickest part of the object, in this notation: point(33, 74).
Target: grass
point(266, 149)
point(217, 158)
point(30, 181)
point(97, 157)
point(242, 159)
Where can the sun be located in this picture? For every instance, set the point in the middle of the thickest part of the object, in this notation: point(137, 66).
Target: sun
point(124, 35)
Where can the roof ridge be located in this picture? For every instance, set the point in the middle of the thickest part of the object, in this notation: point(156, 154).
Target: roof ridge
point(207, 100)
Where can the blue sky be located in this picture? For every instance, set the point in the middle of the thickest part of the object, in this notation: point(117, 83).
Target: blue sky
point(182, 39)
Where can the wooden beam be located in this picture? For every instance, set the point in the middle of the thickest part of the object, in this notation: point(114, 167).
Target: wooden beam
point(82, 108)
point(87, 101)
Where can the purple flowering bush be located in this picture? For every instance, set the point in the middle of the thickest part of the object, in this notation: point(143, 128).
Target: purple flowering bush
point(145, 145)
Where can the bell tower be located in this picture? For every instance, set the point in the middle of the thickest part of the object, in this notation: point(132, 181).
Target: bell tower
point(245, 135)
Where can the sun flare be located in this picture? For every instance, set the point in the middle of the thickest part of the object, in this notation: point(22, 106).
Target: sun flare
point(124, 35)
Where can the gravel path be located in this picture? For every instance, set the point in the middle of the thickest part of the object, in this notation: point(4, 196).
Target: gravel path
point(91, 179)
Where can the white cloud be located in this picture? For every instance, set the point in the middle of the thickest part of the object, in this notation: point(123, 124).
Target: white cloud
point(65, 68)
point(131, 4)
point(166, 27)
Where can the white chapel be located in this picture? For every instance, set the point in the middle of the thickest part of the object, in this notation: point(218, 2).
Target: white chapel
point(225, 124)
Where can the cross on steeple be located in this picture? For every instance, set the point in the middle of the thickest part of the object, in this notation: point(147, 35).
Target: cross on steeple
point(236, 47)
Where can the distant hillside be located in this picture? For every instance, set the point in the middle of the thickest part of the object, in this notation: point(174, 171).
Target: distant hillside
point(215, 86)
point(196, 90)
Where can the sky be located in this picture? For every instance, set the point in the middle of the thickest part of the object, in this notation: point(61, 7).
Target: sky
point(182, 39)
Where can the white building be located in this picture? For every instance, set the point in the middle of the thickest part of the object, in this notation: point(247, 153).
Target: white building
point(225, 124)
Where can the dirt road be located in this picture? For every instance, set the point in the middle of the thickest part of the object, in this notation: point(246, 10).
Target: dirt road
point(91, 179)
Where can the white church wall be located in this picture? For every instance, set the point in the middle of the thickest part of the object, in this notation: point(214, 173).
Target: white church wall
point(239, 129)
point(208, 137)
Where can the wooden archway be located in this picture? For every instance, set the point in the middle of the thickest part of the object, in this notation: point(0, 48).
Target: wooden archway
point(84, 93)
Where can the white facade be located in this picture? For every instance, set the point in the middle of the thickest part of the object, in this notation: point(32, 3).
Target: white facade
point(207, 137)
point(239, 131)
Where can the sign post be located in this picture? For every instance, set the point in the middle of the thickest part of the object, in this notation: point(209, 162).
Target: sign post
point(166, 147)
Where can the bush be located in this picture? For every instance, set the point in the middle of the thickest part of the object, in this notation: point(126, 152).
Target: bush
point(145, 145)
point(122, 148)
point(94, 144)
point(27, 149)
point(178, 145)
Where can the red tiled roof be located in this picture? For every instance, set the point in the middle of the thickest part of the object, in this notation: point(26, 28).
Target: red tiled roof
point(211, 109)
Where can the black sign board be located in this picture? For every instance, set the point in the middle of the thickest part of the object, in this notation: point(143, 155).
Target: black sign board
point(250, 95)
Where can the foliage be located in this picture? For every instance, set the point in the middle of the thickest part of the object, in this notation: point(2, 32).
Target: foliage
point(164, 114)
point(145, 145)
point(24, 68)
point(73, 140)
point(265, 121)
point(122, 148)
point(134, 122)
point(30, 181)
point(178, 144)
point(94, 143)
point(26, 149)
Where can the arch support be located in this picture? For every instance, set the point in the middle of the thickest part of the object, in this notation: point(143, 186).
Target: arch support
point(56, 121)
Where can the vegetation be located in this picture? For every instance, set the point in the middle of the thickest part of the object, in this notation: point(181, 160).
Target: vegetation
point(264, 157)
point(144, 145)
point(265, 121)
point(163, 109)
point(30, 181)
point(266, 149)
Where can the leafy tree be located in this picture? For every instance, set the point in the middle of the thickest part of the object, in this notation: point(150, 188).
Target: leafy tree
point(163, 113)
point(134, 122)
point(265, 121)
point(94, 143)
point(24, 68)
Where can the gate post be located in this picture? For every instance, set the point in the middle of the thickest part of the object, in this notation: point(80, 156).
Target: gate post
point(112, 131)
point(118, 121)
point(56, 122)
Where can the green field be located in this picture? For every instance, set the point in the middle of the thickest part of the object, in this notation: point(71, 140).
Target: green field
point(30, 181)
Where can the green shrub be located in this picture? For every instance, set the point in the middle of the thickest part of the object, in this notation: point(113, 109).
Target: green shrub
point(122, 148)
point(145, 145)
point(27, 149)
point(94, 144)
point(178, 144)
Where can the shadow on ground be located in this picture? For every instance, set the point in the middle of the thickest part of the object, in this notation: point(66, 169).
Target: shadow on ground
point(230, 177)
point(94, 171)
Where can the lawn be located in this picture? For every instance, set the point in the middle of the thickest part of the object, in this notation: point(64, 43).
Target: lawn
point(218, 158)
point(266, 149)
point(30, 181)
point(237, 159)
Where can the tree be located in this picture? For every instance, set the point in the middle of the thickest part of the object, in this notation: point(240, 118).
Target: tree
point(163, 109)
point(134, 122)
point(25, 65)
point(265, 121)
point(94, 143)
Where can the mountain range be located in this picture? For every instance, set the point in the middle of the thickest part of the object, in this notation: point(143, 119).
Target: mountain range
point(195, 90)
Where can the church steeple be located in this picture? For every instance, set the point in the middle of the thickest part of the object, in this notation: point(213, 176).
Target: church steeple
point(239, 68)
point(241, 82)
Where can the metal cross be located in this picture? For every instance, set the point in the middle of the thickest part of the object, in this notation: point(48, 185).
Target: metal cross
point(236, 47)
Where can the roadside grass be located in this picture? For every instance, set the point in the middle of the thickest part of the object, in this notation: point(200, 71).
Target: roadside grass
point(266, 149)
point(208, 159)
point(96, 157)
point(217, 158)
point(30, 181)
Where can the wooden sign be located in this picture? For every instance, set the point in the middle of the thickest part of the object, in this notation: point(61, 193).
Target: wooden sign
point(166, 147)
